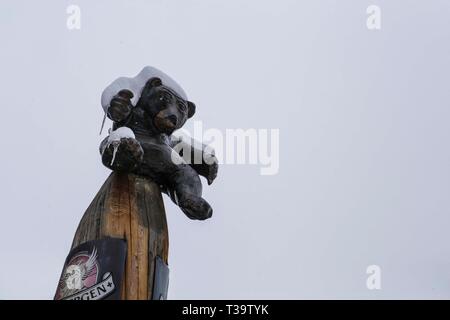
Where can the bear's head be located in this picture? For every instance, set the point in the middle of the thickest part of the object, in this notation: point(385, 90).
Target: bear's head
point(165, 110)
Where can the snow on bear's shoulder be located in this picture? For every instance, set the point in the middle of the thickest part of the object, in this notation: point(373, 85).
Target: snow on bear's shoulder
point(136, 84)
point(119, 133)
point(114, 139)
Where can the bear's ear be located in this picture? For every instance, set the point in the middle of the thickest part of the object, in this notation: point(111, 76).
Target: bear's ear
point(151, 83)
point(154, 82)
point(191, 109)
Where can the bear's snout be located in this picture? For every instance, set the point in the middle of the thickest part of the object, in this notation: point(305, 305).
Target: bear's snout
point(166, 123)
point(172, 119)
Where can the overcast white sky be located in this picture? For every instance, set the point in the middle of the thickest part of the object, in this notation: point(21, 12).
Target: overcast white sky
point(364, 141)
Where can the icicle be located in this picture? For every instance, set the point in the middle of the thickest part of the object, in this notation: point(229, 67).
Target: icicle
point(175, 197)
point(114, 139)
point(116, 146)
point(104, 147)
point(103, 124)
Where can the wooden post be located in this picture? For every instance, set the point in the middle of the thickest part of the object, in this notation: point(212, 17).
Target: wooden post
point(130, 207)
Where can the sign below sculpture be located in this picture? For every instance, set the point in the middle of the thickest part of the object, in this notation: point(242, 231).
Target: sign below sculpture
point(93, 271)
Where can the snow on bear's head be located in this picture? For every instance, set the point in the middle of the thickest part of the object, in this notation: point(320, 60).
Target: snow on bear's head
point(136, 84)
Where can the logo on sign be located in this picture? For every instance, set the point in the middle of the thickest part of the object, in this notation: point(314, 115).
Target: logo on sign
point(79, 280)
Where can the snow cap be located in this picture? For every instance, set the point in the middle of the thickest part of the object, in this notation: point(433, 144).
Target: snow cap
point(136, 85)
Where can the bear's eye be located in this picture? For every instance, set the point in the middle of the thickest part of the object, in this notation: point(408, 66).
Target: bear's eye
point(165, 97)
point(182, 106)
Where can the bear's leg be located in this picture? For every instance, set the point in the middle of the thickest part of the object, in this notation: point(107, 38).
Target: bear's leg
point(181, 181)
point(186, 191)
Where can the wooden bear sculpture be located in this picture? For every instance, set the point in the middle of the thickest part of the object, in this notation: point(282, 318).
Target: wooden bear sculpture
point(120, 248)
point(146, 146)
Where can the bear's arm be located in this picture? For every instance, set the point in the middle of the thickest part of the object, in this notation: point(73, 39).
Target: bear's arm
point(199, 156)
point(119, 108)
point(125, 155)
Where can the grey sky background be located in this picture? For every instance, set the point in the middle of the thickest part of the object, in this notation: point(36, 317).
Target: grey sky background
point(363, 117)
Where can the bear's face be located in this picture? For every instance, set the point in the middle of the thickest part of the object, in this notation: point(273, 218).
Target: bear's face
point(166, 111)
